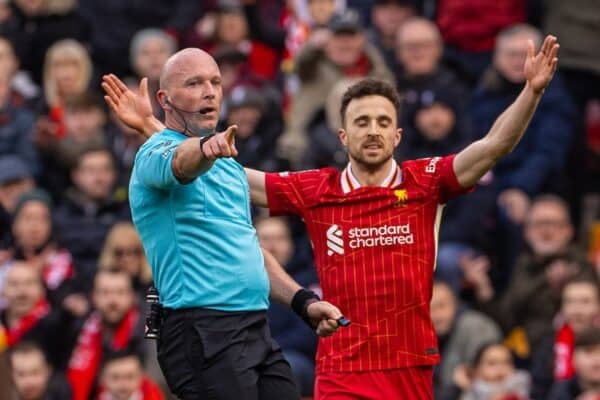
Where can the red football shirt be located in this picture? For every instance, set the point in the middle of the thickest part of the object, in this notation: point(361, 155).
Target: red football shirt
point(375, 250)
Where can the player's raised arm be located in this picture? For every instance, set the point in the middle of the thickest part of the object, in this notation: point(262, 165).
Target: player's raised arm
point(480, 156)
point(133, 109)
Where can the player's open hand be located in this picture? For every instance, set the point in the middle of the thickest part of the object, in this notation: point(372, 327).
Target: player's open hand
point(324, 316)
point(221, 144)
point(133, 109)
point(539, 68)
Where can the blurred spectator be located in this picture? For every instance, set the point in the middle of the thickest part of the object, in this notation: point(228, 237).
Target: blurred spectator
point(84, 120)
point(28, 316)
point(33, 377)
point(586, 384)
point(149, 50)
point(538, 162)
point(67, 72)
point(460, 332)
point(527, 307)
point(35, 25)
point(257, 130)
point(124, 141)
point(469, 29)
point(553, 358)
point(35, 243)
point(493, 376)
point(16, 121)
point(540, 155)
point(326, 58)
point(574, 23)
point(115, 325)
point(125, 18)
point(230, 29)
point(325, 148)
point(387, 16)
point(123, 378)
point(15, 180)
point(89, 209)
point(123, 251)
point(419, 74)
point(296, 339)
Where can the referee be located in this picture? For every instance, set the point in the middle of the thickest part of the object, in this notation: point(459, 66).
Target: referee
point(190, 204)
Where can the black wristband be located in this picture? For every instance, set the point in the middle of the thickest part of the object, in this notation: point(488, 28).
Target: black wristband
point(300, 302)
point(203, 140)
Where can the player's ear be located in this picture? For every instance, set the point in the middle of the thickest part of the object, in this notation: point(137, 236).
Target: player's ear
point(343, 137)
point(398, 137)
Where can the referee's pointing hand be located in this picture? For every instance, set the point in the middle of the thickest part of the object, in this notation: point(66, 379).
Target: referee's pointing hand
point(324, 315)
point(221, 144)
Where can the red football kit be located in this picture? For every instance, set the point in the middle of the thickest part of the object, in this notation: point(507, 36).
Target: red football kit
point(375, 250)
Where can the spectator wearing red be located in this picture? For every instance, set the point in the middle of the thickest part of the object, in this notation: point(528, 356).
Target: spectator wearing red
point(116, 324)
point(123, 378)
point(33, 377)
point(553, 358)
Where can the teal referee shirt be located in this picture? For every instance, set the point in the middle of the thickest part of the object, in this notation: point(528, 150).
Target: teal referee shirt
point(198, 237)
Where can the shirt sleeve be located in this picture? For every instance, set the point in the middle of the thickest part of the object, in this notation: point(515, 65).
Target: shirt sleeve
point(437, 173)
point(153, 165)
point(291, 192)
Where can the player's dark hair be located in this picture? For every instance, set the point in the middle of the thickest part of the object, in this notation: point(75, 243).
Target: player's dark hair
point(369, 87)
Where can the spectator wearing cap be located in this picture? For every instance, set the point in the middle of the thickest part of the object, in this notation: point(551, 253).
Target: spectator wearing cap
point(16, 121)
point(341, 52)
point(536, 165)
point(586, 384)
point(256, 132)
point(387, 16)
point(419, 50)
point(89, 209)
point(34, 242)
point(149, 50)
point(15, 180)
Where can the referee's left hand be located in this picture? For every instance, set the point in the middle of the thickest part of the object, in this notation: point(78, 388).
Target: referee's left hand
point(324, 316)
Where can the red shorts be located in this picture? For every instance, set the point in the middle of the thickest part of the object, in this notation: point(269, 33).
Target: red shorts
point(415, 383)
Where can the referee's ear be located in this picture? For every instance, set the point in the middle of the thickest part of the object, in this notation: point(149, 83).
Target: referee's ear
point(163, 99)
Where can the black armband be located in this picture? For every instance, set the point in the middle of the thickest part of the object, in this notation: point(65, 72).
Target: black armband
point(300, 302)
point(203, 140)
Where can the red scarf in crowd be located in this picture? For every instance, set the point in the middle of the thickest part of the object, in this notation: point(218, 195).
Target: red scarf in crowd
point(87, 355)
point(57, 269)
point(148, 390)
point(9, 336)
point(564, 345)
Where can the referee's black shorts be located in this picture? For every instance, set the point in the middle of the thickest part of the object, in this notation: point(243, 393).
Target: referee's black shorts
point(208, 354)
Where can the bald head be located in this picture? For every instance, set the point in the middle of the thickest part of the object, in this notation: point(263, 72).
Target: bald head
point(418, 46)
point(176, 64)
point(190, 92)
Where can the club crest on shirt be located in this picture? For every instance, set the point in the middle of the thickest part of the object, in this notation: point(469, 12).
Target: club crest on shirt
point(401, 197)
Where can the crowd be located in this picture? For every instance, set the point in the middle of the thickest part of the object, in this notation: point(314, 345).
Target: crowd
point(516, 303)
